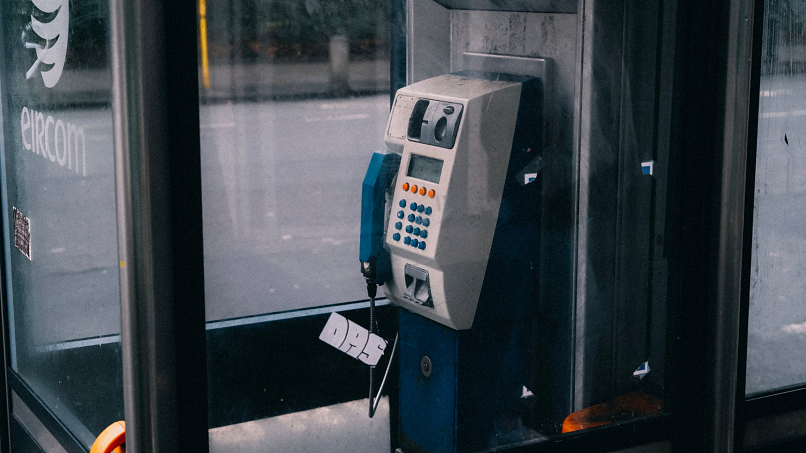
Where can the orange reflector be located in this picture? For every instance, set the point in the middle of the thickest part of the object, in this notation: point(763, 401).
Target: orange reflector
point(413, 189)
point(625, 407)
point(422, 190)
point(111, 439)
point(431, 193)
point(405, 186)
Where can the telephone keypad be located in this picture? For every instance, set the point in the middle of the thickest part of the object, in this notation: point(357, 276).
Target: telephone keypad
point(417, 223)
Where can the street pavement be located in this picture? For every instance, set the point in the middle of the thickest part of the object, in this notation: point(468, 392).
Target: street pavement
point(281, 195)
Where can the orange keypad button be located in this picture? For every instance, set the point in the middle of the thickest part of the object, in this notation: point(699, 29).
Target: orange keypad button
point(413, 189)
point(405, 186)
point(431, 193)
point(422, 190)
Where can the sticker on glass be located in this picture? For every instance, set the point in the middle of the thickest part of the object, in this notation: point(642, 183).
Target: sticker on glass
point(353, 340)
point(22, 233)
point(49, 38)
point(642, 370)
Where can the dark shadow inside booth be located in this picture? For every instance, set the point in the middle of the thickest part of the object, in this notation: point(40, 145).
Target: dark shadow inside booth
point(255, 370)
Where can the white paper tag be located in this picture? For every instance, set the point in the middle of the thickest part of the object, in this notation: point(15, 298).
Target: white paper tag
point(353, 340)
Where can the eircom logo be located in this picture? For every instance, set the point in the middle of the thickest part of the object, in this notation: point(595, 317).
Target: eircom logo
point(51, 45)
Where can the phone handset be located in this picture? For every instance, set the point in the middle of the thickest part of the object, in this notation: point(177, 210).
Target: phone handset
point(375, 261)
point(376, 266)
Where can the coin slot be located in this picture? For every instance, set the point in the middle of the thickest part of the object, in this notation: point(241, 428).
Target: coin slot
point(418, 287)
point(441, 127)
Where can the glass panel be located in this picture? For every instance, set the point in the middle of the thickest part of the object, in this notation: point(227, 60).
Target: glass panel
point(777, 321)
point(279, 193)
point(293, 95)
point(59, 214)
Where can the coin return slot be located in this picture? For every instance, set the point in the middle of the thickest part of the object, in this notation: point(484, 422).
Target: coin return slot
point(418, 288)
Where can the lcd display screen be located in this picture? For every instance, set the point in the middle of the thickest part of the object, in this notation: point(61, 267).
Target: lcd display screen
point(425, 168)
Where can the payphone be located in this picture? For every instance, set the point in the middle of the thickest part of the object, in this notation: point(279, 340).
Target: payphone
point(469, 146)
point(450, 229)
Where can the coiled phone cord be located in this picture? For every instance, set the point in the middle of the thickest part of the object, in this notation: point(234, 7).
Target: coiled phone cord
point(375, 400)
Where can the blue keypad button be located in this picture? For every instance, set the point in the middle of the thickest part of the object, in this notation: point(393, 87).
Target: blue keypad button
point(402, 203)
point(400, 214)
point(414, 242)
point(398, 225)
point(411, 217)
point(422, 245)
point(409, 229)
point(420, 208)
point(396, 236)
point(419, 220)
point(416, 231)
point(426, 222)
point(424, 234)
point(428, 210)
point(407, 240)
point(413, 206)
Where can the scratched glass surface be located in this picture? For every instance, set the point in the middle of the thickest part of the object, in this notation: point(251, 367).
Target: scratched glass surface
point(776, 357)
point(58, 171)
